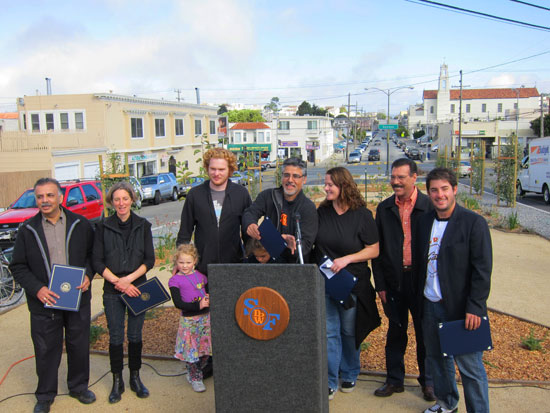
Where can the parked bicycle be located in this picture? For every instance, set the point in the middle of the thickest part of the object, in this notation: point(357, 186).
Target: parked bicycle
point(10, 291)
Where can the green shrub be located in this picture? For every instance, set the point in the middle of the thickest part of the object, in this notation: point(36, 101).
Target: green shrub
point(513, 221)
point(95, 332)
point(532, 343)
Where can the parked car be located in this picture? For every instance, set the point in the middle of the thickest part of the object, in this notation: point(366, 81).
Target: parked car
point(465, 168)
point(435, 148)
point(138, 190)
point(374, 155)
point(191, 182)
point(354, 157)
point(238, 178)
point(270, 164)
point(161, 186)
point(415, 154)
point(82, 197)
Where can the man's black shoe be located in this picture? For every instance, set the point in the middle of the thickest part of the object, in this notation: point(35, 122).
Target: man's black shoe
point(388, 389)
point(84, 397)
point(428, 392)
point(42, 406)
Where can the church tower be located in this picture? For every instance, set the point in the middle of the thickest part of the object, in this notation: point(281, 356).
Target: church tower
point(443, 106)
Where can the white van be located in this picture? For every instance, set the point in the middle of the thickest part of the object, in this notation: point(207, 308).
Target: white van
point(534, 175)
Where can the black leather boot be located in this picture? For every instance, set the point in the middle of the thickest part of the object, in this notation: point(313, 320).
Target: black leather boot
point(116, 357)
point(118, 388)
point(134, 363)
point(137, 386)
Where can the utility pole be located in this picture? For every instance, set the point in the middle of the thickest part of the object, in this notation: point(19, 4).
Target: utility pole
point(460, 124)
point(178, 91)
point(542, 115)
point(348, 128)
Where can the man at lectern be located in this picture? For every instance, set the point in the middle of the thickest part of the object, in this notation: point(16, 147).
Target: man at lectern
point(287, 207)
point(55, 235)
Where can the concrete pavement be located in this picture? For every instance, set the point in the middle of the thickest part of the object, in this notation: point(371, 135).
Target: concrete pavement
point(520, 287)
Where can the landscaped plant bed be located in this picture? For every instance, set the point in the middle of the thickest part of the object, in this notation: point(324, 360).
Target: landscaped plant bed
point(508, 361)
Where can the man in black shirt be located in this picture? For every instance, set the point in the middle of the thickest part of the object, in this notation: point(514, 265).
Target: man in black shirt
point(282, 205)
point(213, 211)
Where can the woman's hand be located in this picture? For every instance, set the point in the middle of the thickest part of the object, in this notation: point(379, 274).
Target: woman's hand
point(205, 302)
point(132, 291)
point(339, 264)
point(122, 284)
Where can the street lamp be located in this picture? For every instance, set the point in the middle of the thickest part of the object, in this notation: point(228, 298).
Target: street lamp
point(388, 93)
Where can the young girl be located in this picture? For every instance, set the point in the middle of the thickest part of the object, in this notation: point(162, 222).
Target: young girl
point(193, 343)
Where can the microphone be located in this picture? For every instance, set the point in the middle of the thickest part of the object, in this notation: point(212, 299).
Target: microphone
point(299, 237)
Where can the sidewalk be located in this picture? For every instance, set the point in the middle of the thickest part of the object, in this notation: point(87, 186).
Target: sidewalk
point(518, 288)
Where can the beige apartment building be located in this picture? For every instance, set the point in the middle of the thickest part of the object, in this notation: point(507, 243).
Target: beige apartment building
point(62, 135)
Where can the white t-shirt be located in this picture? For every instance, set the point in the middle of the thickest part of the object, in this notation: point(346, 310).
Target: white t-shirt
point(432, 289)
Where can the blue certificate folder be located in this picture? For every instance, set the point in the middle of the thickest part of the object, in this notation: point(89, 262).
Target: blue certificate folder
point(271, 239)
point(63, 282)
point(152, 294)
point(337, 285)
point(455, 339)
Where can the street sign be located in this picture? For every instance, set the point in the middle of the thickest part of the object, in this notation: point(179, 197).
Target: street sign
point(388, 126)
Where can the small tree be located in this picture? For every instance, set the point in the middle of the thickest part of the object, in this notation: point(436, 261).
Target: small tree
point(535, 125)
point(418, 134)
point(222, 109)
point(380, 116)
point(504, 169)
point(402, 131)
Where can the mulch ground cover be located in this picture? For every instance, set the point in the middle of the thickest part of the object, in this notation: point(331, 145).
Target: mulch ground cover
point(508, 361)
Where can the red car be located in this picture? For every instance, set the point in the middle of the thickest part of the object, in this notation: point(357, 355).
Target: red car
point(80, 197)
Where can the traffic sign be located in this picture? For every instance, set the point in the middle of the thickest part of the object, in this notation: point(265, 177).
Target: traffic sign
point(388, 126)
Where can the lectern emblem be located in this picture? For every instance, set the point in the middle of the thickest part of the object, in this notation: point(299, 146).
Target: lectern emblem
point(262, 313)
point(65, 287)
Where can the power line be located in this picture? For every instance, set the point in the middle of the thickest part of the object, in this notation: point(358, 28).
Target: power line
point(478, 14)
point(531, 4)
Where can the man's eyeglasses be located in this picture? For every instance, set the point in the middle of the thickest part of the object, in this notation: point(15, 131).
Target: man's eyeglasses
point(294, 176)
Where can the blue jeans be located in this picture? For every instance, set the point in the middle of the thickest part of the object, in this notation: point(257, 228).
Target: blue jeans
point(115, 311)
point(343, 357)
point(470, 366)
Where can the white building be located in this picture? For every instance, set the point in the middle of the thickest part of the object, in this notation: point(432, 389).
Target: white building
point(488, 114)
point(443, 104)
point(252, 136)
point(307, 137)
point(9, 122)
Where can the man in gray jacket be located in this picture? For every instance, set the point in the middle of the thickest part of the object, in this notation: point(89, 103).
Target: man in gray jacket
point(55, 236)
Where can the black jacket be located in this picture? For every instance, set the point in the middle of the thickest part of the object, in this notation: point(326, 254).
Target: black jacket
point(269, 203)
point(111, 251)
point(216, 244)
point(464, 262)
point(388, 267)
point(31, 266)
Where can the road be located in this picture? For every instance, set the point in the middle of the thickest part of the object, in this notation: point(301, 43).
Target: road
point(165, 217)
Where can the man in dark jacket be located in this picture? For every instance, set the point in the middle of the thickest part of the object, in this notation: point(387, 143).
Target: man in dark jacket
point(397, 221)
point(284, 206)
point(455, 259)
point(213, 211)
point(55, 236)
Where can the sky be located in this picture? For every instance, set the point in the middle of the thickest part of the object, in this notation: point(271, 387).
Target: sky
point(247, 51)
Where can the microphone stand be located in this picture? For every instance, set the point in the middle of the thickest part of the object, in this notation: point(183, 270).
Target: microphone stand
point(299, 238)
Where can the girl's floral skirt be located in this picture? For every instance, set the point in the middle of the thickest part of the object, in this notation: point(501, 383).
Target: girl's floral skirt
point(193, 339)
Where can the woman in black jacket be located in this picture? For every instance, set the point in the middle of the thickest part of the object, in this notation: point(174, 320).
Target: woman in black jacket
point(123, 253)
